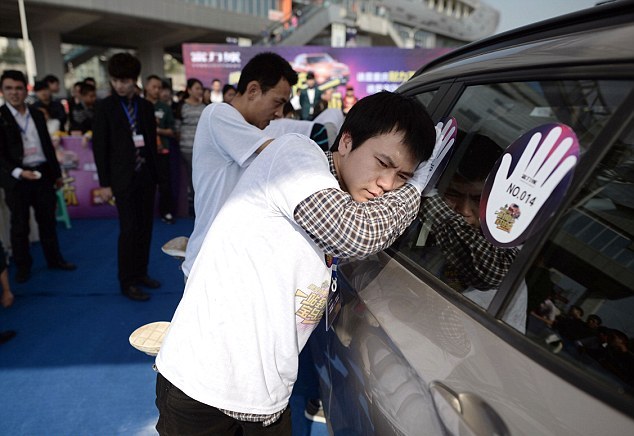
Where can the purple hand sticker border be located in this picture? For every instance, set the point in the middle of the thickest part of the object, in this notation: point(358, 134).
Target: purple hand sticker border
point(527, 184)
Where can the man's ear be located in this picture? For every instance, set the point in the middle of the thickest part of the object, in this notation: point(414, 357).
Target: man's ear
point(253, 89)
point(345, 144)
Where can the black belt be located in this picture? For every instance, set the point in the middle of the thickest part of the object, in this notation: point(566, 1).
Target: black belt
point(35, 167)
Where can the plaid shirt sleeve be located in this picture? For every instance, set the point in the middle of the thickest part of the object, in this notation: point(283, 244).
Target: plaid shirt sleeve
point(344, 228)
point(478, 262)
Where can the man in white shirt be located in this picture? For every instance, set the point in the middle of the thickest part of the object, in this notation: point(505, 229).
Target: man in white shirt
point(228, 137)
point(261, 282)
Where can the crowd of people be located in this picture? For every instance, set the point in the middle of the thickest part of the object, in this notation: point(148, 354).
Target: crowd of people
point(30, 173)
point(589, 341)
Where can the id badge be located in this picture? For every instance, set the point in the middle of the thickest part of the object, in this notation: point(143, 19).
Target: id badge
point(138, 140)
point(333, 306)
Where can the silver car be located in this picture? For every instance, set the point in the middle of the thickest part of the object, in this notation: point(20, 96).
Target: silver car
point(446, 333)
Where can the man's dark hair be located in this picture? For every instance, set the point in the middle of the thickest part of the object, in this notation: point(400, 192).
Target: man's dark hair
point(267, 69)
point(40, 85)
point(16, 75)
point(90, 80)
point(85, 88)
point(387, 112)
point(153, 77)
point(124, 66)
point(50, 78)
point(226, 88)
point(216, 80)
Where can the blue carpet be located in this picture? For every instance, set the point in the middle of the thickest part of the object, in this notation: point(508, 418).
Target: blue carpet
point(70, 370)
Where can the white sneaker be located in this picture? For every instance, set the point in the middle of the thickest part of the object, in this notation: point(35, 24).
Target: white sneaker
point(315, 411)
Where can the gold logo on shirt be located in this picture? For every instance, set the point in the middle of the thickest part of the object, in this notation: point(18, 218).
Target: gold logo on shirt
point(311, 307)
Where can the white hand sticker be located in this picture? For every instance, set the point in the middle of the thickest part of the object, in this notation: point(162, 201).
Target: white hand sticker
point(446, 131)
point(516, 199)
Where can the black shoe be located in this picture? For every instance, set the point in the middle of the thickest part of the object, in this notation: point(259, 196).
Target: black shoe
point(148, 282)
point(6, 336)
point(134, 293)
point(23, 275)
point(64, 266)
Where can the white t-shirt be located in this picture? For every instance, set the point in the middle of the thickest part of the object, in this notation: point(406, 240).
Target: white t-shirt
point(277, 128)
point(330, 115)
point(223, 147)
point(257, 289)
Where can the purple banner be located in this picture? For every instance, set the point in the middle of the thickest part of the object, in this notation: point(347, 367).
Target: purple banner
point(367, 69)
point(80, 180)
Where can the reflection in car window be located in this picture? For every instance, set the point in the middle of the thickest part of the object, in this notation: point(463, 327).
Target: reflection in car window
point(505, 111)
point(447, 240)
point(581, 298)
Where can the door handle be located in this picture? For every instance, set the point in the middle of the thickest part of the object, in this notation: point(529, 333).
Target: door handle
point(466, 413)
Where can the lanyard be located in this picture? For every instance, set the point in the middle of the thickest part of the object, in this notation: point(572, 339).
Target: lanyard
point(133, 121)
point(26, 125)
point(335, 260)
point(333, 303)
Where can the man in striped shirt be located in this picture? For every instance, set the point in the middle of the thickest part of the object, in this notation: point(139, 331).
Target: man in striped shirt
point(261, 281)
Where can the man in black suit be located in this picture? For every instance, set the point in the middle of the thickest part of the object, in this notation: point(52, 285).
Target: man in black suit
point(29, 173)
point(309, 98)
point(124, 145)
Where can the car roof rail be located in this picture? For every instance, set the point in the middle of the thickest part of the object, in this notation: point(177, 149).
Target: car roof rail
point(603, 14)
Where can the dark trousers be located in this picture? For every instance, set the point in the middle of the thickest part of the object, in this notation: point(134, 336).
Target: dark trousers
point(40, 195)
point(182, 415)
point(135, 206)
point(166, 201)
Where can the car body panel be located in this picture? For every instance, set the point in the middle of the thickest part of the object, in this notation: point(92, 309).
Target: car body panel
point(406, 336)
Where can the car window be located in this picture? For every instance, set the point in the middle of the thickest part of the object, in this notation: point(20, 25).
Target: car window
point(581, 287)
point(426, 97)
point(446, 240)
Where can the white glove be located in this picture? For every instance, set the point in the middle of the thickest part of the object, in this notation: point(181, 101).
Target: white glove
point(534, 178)
point(446, 131)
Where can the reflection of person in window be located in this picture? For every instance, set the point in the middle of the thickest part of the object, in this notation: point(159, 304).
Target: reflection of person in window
point(618, 358)
point(455, 222)
point(472, 264)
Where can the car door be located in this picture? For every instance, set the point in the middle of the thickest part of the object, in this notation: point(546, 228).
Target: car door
point(431, 340)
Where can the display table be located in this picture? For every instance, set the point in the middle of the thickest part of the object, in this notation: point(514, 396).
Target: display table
point(80, 180)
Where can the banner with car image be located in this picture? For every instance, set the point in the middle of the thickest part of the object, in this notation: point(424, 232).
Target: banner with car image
point(367, 69)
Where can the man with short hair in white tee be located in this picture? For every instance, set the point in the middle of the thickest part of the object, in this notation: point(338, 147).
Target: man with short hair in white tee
point(260, 283)
point(229, 136)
